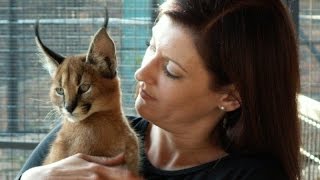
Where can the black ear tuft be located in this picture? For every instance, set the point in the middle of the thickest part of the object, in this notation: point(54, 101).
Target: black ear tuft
point(51, 59)
point(106, 19)
point(51, 54)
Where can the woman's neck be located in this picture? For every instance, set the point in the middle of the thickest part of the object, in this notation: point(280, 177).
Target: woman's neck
point(173, 151)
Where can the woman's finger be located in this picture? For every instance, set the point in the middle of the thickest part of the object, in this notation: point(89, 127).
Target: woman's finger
point(107, 161)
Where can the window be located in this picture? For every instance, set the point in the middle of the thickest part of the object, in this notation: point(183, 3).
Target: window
point(309, 36)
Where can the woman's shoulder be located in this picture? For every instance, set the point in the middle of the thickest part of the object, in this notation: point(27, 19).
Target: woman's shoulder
point(250, 166)
point(250, 160)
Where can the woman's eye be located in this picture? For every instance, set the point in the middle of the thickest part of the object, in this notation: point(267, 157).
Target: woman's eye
point(84, 88)
point(147, 43)
point(60, 91)
point(150, 46)
point(168, 73)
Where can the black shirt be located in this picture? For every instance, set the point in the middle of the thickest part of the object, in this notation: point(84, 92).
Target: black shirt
point(235, 166)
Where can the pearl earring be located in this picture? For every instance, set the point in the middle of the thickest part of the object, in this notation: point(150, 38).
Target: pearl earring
point(222, 108)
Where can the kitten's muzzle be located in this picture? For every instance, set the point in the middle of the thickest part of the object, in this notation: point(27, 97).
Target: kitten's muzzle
point(70, 107)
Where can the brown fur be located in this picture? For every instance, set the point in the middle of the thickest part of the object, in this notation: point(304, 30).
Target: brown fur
point(100, 128)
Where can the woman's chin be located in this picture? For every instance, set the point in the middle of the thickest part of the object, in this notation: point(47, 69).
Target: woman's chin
point(142, 108)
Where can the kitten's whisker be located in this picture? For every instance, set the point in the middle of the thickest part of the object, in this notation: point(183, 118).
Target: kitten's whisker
point(58, 117)
point(53, 116)
point(39, 100)
point(49, 115)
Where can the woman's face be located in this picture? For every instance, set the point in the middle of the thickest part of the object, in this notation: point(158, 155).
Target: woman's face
point(173, 82)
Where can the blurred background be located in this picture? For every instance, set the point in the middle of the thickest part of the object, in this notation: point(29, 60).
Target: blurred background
point(67, 27)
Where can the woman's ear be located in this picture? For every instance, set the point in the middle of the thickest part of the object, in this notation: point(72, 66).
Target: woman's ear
point(230, 99)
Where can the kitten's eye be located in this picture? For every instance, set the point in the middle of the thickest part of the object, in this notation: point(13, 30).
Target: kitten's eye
point(60, 91)
point(84, 88)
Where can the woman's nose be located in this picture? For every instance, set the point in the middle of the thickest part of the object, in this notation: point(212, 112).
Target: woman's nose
point(147, 72)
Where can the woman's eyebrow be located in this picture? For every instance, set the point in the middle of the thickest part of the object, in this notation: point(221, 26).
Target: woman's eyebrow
point(175, 62)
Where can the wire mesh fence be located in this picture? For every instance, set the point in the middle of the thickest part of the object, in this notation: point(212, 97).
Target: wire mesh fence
point(67, 27)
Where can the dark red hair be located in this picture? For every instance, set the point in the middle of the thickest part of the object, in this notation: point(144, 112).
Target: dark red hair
point(251, 45)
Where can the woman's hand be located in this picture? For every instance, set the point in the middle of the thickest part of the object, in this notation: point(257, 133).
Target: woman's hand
point(81, 166)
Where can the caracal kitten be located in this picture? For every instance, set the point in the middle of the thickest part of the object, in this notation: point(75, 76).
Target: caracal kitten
point(86, 91)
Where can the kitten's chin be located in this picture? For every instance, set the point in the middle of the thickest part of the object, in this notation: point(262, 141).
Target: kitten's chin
point(74, 119)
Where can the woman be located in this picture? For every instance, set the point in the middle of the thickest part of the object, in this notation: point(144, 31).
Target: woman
point(217, 98)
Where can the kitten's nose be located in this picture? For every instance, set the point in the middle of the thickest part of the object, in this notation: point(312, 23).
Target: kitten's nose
point(70, 106)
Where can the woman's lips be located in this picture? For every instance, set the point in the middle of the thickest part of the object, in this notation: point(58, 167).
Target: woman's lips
point(144, 95)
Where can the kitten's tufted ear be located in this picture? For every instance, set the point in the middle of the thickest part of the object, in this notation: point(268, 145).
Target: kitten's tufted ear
point(51, 59)
point(101, 54)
